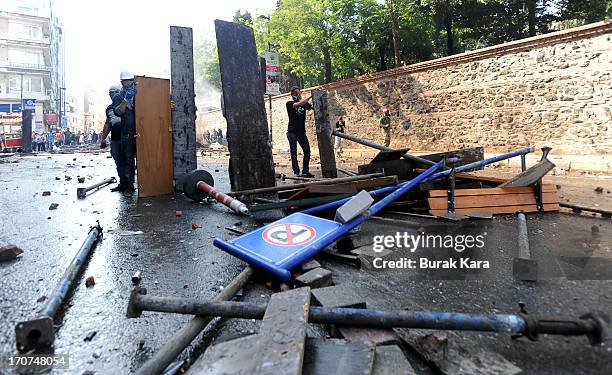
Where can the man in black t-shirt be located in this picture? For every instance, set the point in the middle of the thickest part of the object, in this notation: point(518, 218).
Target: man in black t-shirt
point(296, 132)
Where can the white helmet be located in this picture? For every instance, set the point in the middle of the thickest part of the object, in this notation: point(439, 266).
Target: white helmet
point(126, 75)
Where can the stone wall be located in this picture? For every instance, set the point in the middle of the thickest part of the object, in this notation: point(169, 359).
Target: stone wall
point(553, 90)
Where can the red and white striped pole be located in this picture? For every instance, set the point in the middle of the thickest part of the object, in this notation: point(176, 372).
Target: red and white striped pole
point(230, 202)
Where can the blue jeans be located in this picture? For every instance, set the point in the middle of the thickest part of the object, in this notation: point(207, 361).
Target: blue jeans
point(294, 139)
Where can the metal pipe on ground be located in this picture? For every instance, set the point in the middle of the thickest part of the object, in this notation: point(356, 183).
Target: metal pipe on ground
point(346, 171)
point(39, 333)
point(578, 208)
point(182, 338)
point(198, 185)
point(415, 159)
point(329, 181)
point(377, 192)
point(82, 192)
point(523, 267)
point(594, 325)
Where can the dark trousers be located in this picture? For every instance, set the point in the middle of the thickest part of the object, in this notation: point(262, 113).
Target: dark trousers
point(294, 139)
point(124, 153)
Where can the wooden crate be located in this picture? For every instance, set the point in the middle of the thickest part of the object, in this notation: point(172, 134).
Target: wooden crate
point(493, 200)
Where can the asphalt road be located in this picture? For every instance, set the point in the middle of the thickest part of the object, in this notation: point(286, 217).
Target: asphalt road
point(176, 260)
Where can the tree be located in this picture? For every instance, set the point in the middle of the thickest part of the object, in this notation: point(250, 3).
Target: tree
point(206, 65)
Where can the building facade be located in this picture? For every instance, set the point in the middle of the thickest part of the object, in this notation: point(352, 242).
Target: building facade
point(31, 64)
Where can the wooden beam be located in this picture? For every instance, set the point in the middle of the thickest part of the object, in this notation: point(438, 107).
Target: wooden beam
point(492, 200)
point(546, 188)
point(531, 175)
point(243, 95)
point(183, 95)
point(498, 210)
point(323, 129)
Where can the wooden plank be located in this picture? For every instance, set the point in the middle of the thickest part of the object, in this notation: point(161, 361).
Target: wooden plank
point(531, 175)
point(306, 202)
point(470, 176)
point(546, 188)
point(278, 349)
point(332, 356)
point(323, 129)
point(243, 96)
point(499, 210)
point(492, 200)
point(154, 137)
point(183, 95)
point(354, 186)
point(283, 331)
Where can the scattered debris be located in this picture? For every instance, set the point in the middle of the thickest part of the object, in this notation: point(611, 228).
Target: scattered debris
point(90, 336)
point(195, 226)
point(41, 299)
point(53, 206)
point(599, 190)
point(136, 277)
point(89, 282)
point(9, 252)
point(178, 213)
point(46, 193)
point(81, 180)
point(316, 278)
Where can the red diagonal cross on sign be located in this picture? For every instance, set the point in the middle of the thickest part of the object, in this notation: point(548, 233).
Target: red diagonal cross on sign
point(291, 234)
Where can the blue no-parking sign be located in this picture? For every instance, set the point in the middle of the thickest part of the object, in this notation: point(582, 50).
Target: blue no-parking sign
point(284, 244)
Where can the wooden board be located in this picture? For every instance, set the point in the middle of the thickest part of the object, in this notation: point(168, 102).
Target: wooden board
point(546, 188)
point(153, 137)
point(330, 356)
point(355, 186)
point(498, 210)
point(492, 200)
point(531, 175)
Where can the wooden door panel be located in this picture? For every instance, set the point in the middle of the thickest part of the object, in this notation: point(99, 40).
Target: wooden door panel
point(154, 137)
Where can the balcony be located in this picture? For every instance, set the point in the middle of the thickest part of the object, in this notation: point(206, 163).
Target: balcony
point(23, 67)
point(26, 14)
point(16, 95)
point(20, 40)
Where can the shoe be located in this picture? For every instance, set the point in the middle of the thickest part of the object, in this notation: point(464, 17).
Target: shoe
point(129, 189)
point(118, 188)
point(308, 174)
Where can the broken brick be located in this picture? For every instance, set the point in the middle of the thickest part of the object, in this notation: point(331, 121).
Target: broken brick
point(89, 282)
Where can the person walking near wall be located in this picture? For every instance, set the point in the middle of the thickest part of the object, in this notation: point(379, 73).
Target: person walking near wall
point(296, 131)
point(385, 125)
point(340, 128)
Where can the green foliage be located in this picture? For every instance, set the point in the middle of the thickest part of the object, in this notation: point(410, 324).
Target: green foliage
point(325, 40)
point(206, 65)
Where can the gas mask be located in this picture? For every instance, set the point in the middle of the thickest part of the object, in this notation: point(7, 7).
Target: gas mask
point(297, 98)
point(127, 83)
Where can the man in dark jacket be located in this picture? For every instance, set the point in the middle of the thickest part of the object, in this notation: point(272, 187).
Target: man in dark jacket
point(296, 131)
point(124, 107)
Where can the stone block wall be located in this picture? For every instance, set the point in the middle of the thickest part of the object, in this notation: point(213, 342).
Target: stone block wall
point(553, 90)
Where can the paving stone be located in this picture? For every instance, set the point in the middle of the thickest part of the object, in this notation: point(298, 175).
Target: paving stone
point(379, 336)
point(390, 360)
point(317, 278)
point(338, 296)
point(325, 357)
point(310, 265)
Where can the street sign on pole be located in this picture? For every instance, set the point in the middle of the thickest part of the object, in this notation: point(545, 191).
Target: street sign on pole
point(272, 74)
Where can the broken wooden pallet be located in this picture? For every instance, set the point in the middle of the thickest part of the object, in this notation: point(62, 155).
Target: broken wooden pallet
point(493, 200)
point(352, 187)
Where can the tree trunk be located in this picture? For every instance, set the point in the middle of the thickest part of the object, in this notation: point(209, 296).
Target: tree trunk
point(448, 24)
point(393, 16)
point(328, 66)
point(531, 17)
point(382, 49)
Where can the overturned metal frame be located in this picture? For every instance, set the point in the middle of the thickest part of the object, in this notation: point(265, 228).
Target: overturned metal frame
point(594, 325)
point(38, 333)
point(82, 192)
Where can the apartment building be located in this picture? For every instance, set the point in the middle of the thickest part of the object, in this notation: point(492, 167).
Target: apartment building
point(31, 64)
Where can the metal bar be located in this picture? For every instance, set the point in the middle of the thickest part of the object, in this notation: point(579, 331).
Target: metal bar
point(451, 191)
point(377, 192)
point(39, 332)
point(523, 237)
point(233, 203)
point(523, 163)
point(82, 192)
point(298, 202)
point(457, 321)
point(183, 337)
point(415, 159)
point(275, 189)
point(346, 171)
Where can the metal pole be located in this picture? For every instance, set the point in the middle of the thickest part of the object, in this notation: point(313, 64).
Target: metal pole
point(523, 237)
point(457, 321)
point(182, 338)
point(415, 159)
point(236, 206)
point(270, 109)
point(377, 192)
point(82, 192)
point(330, 181)
point(39, 332)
